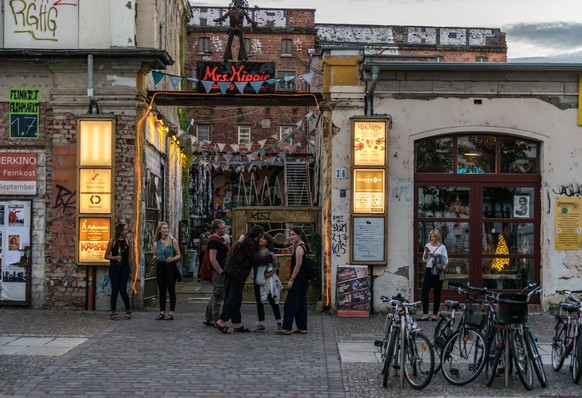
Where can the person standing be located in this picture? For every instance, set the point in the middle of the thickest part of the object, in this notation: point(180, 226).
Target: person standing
point(166, 253)
point(266, 246)
point(217, 253)
point(433, 277)
point(236, 270)
point(118, 253)
point(295, 308)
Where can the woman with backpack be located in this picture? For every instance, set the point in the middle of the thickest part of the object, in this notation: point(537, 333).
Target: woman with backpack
point(295, 308)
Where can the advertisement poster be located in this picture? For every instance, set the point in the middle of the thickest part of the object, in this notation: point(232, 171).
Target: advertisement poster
point(94, 234)
point(369, 189)
point(369, 143)
point(353, 290)
point(18, 172)
point(24, 110)
point(15, 250)
point(568, 233)
point(95, 191)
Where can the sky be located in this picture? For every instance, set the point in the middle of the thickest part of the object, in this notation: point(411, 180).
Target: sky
point(537, 30)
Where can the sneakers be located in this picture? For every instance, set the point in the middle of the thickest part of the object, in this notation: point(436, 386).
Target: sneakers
point(260, 328)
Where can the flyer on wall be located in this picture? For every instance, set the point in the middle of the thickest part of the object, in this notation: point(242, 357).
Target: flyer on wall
point(15, 249)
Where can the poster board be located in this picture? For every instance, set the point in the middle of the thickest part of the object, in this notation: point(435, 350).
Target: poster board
point(353, 285)
point(568, 227)
point(15, 252)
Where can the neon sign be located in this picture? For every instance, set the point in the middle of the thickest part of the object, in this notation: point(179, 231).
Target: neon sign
point(236, 72)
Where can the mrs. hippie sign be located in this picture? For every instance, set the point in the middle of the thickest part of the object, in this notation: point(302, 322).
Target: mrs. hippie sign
point(41, 23)
point(230, 75)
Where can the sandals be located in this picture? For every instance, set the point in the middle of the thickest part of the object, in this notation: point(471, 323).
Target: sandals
point(128, 315)
point(241, 329)
point(222, 329)
point(160, 317)
point(208, 323)
point(300, 331)
point(284, 332)
point(113, 316)
point(169, 317)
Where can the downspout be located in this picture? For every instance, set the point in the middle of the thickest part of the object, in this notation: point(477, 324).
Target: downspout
point(90, 76)
point(371, 90)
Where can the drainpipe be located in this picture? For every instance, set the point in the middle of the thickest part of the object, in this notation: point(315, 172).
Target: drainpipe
point(371, 90)
point(90, 75)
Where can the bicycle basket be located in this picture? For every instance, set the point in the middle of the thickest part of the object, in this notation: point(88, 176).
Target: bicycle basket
point(512, 308)
point(475, 315)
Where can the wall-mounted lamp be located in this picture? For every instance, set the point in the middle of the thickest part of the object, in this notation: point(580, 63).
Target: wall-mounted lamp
point(93, 107)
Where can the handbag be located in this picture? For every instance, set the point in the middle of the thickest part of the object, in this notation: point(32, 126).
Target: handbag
point(437, 263)
point(178, 265)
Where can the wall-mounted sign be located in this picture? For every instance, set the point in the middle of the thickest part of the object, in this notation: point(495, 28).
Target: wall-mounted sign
point(568, 233)
point(94, 234)
point(369, 240)
point(24, 110)
point(18, 173)
point(369, 191)
point(369, 145)
point(231, 74)
point(95, 191)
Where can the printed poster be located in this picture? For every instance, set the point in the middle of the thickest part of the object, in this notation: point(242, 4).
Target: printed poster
point(353, 290)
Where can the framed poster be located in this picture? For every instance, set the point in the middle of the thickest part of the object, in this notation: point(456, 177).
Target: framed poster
point(369, 141)
point(369, 240)
point(521, 204)
point(94, 235)
point(353, 290)
point(369, 191)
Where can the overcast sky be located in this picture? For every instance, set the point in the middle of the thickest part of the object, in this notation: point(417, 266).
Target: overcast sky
point(535, 28)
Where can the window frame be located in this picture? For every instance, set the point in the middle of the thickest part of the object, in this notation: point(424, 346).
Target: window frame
point(286, 47)
point(244, 130)
point(204, 45)
point(198, 127)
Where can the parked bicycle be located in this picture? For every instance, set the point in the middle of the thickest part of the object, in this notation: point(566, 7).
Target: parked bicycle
point(511, 339)
point(404, 348)
point(463, 353)
point(567, 341)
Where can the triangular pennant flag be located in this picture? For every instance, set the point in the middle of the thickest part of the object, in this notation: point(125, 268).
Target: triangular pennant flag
point(234, 147)
point(158, 76)
point(221, 147)
point(223, 86)
point(299, 123)
point(205, 155)
point(308, 77)
point(227, 157)
point(282, 154)
point(309, 116)
point(275, 146)
point(273, 81)
point(262, 152)
point(288, 78)
point(257, 86)
point(241, 86)
point(175, 80)
point(262, 142)
point(275, 136)
point(251, 157)
point(193, 80)
point(271, 160)
point(207, 85)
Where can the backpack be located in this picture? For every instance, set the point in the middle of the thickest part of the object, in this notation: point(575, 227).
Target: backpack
point(206, 266)
point(311, 269)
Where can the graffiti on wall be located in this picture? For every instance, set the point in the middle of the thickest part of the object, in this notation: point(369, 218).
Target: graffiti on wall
point(64, 205)
point(571, 190)
point(339, 237)
point(41, 21)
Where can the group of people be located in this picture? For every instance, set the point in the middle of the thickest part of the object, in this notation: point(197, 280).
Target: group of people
point(231, 266)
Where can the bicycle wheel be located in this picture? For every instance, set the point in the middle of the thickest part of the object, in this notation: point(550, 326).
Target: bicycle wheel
point(536, 359)
point(385, 342)
point(441, 334)
point(389, 355)
point(418, 365)
point(463, 356)
point(523, 365)
point(575, 360)
point(401, 354)
point(559, 346)
point(495, 358)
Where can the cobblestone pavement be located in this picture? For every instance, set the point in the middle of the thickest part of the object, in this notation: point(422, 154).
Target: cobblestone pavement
point(184, 358)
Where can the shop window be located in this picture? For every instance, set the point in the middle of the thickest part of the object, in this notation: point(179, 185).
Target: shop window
point(475, 154)
point(519, 156)
point(434, 155)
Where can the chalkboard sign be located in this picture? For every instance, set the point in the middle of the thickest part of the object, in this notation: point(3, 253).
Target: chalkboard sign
point(24, 111)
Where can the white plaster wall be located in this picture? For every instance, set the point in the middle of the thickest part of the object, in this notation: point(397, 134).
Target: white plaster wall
point(561, 149)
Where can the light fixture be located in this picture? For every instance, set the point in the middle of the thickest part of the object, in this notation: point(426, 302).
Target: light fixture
point(93, 107)
point(471, 154)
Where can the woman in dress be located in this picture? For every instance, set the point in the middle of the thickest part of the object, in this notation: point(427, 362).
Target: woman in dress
point(166, 253)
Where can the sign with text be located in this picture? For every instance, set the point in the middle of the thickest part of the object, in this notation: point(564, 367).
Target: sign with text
point(41, 24)
point(95, 191)
point(24, 110)
point(369, 190)
point(353, 290)
point(369, 142)
point(368, 243)
point(94, 234)
point(18, 172)
point(568, 228)
point(244, 74)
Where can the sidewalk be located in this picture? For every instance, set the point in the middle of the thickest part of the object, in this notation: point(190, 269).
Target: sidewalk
point(184, 358)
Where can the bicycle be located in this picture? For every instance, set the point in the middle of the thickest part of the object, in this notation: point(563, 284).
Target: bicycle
point(512, 339)
point(567, 340)
point(444, 328)
point(404, 347)
point(464, 352)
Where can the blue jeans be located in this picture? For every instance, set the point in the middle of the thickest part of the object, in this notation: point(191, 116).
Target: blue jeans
point(296, 305)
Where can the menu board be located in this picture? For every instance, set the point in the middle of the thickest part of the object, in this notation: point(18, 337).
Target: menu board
point(369, 144)
point(568, 227)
